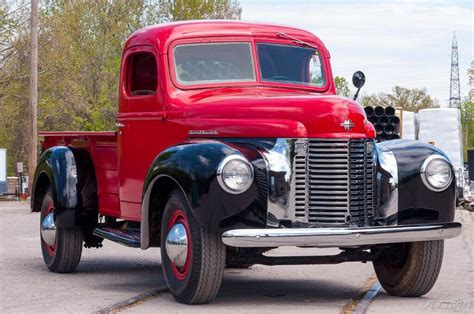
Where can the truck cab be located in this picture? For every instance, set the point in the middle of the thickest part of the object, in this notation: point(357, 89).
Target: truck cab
point(231, 141)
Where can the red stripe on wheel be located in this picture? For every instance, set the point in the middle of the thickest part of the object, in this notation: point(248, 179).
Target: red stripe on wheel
point(179, 216)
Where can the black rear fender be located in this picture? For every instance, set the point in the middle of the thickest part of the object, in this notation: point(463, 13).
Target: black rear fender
point(70, 174)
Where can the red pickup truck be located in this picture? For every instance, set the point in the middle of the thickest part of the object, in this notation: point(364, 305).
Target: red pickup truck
point(230, 141)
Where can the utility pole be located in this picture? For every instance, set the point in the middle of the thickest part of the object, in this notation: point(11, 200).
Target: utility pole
point(455, 89)
point(33, 112)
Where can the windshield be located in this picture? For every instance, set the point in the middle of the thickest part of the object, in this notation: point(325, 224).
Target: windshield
point(290, 64)
point(214, 63)
point(233, 62)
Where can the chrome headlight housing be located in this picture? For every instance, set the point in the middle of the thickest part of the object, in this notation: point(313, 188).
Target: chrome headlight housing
point(235, 174)
point(436, 173)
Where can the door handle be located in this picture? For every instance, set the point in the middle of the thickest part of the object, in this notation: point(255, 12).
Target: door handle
point(119, 125)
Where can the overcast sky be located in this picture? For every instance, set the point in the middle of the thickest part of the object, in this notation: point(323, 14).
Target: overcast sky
point(403, 42)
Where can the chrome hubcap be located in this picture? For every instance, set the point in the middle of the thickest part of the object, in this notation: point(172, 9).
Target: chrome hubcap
point(177, 245)
point(48, 230)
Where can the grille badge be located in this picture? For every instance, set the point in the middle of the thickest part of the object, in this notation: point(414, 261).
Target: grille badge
point(347, 124)
point(300, 146)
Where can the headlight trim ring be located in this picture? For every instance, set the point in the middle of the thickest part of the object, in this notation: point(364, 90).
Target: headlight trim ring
point(220, 171)
point(424, 167)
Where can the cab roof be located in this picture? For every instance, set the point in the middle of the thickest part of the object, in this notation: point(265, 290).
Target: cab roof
point(161, 35)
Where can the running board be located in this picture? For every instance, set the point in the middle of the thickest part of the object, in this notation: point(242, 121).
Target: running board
point(127, 237)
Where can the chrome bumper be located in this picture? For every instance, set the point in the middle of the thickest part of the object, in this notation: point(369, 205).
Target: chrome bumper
point(339, 237)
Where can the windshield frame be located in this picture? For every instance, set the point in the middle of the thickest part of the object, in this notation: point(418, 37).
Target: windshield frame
point(253, 45)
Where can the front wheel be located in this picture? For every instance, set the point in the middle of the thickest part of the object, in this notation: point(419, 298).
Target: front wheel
point(193, 258)
point(410, 269)
point(61, 247)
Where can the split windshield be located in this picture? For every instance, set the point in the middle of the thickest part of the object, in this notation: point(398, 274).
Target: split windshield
point(215, 63)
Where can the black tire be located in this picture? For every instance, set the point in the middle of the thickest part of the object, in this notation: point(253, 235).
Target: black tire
point(198, 281)
point(410, 269)
point(65, 254)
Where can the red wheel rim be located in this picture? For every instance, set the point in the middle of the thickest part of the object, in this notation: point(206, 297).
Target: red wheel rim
point(49, 248)
point(179, 216)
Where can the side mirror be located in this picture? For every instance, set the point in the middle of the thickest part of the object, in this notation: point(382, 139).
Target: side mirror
point(358, 79)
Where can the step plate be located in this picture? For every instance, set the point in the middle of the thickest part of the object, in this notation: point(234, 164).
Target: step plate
point(129, 237)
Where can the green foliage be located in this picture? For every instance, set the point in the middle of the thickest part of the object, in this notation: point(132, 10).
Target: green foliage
point(467, 113)
point(467, 120)
point(80, 47)
point(179, 10)
point(80, 64)
point(14, 81)
point(470, 74)
point(342, 86)
point(405, 98)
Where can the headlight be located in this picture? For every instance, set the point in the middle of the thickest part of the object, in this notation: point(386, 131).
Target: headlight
point(235, 174)
point(436, 173)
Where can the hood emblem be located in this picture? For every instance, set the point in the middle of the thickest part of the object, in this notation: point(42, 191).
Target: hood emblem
point(347, 125)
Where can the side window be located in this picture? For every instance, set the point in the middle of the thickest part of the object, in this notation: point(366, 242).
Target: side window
point(141, 74)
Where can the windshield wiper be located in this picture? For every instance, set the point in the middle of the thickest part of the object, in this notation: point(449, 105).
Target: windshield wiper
point(296, 40)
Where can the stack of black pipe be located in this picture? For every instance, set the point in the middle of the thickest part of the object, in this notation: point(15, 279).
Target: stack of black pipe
point(386, 123)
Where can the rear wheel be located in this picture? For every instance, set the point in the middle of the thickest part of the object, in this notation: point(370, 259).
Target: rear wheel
point(61, 247)
point(410, 269)
point(193, 258)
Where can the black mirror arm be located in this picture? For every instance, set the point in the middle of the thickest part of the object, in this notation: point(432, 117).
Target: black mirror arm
point(357, 93)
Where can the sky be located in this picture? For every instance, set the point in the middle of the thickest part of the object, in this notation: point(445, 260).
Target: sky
point(398, 42)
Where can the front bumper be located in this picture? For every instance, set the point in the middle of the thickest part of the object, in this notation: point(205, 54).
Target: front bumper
point(340, 237)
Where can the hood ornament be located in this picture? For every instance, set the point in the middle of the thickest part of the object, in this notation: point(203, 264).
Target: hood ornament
point(347, 124)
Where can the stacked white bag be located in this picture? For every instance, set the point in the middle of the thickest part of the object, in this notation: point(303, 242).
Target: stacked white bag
point(442, 127)
point(409, 125)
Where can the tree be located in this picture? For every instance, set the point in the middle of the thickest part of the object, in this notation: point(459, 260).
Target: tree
point(470, 74)
point(14, 80)
point(342, 87)
point(467, 113)
point(80, 47)
point(373, 100)
point(467, 120)
point(405, 98)
point(179, 10)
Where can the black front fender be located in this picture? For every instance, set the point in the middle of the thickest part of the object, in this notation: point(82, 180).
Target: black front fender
point(193, 166)
point(417, 203)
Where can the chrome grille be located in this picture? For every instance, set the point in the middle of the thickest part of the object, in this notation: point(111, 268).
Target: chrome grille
point(334, 182)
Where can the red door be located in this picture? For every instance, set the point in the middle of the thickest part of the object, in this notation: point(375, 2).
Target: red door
point(140, 125)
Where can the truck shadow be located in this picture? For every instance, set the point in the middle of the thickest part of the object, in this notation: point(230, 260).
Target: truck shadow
point(240, 287)
point(237, 290)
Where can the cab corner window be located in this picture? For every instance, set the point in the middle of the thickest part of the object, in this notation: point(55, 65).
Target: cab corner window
point(141, 74)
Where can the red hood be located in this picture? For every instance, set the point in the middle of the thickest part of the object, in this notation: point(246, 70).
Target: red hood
point(272, 113)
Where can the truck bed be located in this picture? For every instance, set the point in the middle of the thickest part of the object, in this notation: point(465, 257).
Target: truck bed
point(102, 147)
